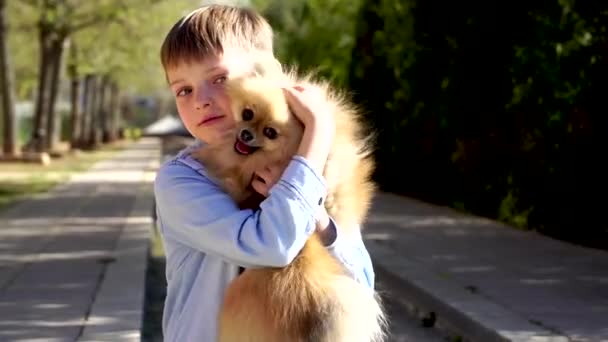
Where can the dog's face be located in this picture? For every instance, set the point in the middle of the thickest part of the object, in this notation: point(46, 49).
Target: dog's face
point(265, 127)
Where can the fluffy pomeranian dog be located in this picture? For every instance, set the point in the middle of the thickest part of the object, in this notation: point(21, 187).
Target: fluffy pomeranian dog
point(313, 298)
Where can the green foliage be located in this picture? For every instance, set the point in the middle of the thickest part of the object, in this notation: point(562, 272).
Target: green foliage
point(317, 35)
point(23, 47)
point(127, 48)
point(114, 37)
point(23, 130)
point(133, 133)
point(495, 107)
point(508, 211)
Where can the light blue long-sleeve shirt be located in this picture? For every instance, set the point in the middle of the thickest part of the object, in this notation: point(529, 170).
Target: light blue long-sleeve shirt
point(207, 237)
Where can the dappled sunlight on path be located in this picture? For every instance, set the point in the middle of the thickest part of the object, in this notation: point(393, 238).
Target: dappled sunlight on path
point(72, 260)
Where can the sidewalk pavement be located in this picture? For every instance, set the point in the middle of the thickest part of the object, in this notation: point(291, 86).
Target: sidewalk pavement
point(73, 261)
point(72, 265)
point(483, 281)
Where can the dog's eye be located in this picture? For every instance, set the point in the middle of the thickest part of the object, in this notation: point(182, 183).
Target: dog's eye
point(270, 133)
point(247, 114)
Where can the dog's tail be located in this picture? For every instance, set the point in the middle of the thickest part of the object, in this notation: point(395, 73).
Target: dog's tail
point(346, 311)
point(310, 300)
point(359, 317)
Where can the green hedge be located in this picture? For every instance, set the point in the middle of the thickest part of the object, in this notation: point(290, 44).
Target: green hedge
point(493, 108)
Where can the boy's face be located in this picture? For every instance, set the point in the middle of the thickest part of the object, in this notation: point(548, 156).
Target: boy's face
point(201, 101)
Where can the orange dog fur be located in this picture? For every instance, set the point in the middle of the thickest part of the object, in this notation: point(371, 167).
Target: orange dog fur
point(313, 298)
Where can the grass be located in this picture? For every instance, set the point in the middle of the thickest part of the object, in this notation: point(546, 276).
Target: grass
point(11, 190)
point(156, 290)
point(70, 162)
point(156, 283)
point(19, 179)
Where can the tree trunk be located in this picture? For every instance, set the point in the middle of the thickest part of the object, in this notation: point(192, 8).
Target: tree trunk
point(53, 118)
point(75, 112)
point(114, 111)
point(38, 138)
point(85, 119)
point(75, 125)
point(6, 90)
point(100, 110)
point(89, 134)
point(103, 108)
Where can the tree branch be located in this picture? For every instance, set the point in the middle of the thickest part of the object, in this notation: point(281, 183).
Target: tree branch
point(31, 3)
point(84, 20)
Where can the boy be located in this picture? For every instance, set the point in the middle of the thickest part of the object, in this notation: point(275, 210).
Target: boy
point(205, 235)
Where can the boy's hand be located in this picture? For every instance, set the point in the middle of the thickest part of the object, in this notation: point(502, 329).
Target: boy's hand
point(310, 106)
point(326, 234)
point(264, 179)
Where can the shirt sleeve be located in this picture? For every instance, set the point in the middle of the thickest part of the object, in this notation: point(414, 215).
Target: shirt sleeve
point(194, 211)
point(351, 252)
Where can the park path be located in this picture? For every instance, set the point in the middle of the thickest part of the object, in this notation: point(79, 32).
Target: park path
point(72, 261)
point(486, 281)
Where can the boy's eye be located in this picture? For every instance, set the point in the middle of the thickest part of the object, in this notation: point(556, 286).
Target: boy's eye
point(270, 133)
point(220, 79)
point(247, 114)
point(184, 91)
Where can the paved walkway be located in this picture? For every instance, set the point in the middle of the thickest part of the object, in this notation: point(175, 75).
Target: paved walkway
point(72, 261)
point(72, 265)
point(484, 281)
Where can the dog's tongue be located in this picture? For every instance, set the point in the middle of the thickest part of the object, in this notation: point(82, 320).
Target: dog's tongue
point(243, 148)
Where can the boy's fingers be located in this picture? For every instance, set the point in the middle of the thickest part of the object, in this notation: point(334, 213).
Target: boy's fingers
point(291, 95)
point(274, 173)
point(269, 174)
point(259, 184)
point(263, 175)
point(296, 103)
point(259, 187)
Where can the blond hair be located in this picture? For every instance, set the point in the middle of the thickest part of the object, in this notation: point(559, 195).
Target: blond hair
point(210, 30)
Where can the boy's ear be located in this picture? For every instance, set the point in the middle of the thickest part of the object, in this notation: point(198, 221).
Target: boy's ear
point(272, 71)
point(258, 70)
point(267, 66)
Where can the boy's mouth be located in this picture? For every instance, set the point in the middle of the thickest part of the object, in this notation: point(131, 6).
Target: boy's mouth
point(244, 148)
point(210, 119)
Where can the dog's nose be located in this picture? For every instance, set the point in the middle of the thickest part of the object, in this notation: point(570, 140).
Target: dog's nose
point(246, 136)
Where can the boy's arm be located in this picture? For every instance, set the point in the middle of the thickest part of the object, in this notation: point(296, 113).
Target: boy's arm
point(194, 211)
point(351, 252)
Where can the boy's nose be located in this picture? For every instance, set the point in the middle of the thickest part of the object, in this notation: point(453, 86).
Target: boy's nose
point(205, 94)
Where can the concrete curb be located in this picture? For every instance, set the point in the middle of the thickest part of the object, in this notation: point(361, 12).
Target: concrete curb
point(118, 309)
point(458, 312)
point(117, 313)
